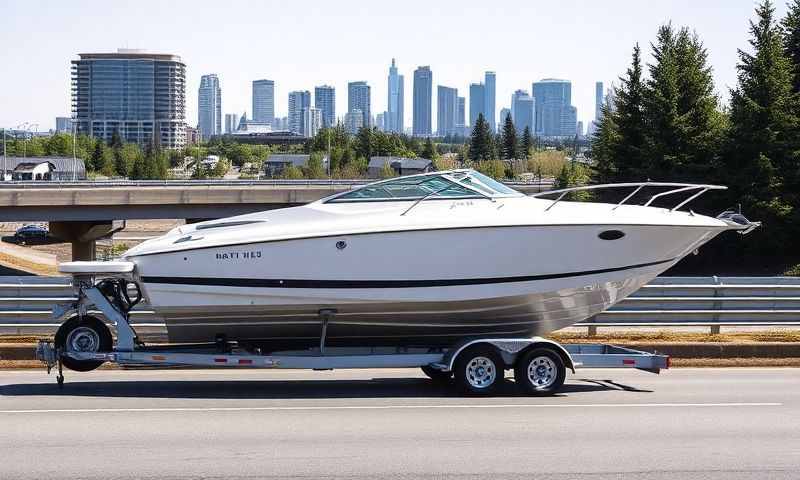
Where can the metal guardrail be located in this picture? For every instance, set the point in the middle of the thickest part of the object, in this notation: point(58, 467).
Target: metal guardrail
point(545, 183)
point(712, 302)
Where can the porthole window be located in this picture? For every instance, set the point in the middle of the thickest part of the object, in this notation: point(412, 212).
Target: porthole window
point(611, 235)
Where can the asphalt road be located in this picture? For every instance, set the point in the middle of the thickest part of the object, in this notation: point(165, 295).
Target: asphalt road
point(609, 424)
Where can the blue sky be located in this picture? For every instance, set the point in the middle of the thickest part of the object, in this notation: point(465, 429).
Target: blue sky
point(300, 44)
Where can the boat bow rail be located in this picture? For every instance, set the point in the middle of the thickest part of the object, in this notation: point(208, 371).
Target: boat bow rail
point(696, 189)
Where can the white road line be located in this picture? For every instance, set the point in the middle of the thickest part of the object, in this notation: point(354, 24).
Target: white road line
point(389, 407)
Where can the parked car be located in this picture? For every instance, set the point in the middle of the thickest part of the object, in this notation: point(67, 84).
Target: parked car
point(28, 233)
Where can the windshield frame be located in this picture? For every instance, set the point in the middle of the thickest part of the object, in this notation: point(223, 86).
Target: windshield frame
point(455, 177)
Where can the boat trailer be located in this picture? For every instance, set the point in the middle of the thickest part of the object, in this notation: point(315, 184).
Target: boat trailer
point(476, 364)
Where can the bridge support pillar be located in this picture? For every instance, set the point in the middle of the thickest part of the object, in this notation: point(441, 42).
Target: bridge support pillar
point(83, 235)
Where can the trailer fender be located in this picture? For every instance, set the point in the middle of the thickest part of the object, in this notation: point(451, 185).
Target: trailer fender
point(509, 348)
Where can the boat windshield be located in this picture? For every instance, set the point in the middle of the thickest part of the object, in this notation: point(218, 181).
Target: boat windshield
point(442, 185)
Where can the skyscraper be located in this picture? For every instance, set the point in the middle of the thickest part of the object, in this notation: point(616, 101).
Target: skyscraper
point(598, 101)
point(504, 112)
point(555, 115)
point(460, 116)
point(423, 100)
point(477, 102)
point(353, 121)
point(141, 96)
point(358, 98)
point(325, 102)
point(264, 101)
point(523, 111)
point(298, 101)
point(312, 121)
point(231, 122)
point(489, 97)
point(394, 112)
point(209, 107)
point(446, 111)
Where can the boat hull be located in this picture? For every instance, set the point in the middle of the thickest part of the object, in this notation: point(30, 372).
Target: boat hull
point(384, 288)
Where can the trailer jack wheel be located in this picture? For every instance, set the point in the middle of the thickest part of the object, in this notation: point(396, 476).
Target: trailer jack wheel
point(84, 335)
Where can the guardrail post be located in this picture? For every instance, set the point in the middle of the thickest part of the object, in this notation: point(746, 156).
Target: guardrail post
point(717, 305)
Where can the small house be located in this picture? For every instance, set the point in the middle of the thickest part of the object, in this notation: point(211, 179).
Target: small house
point(400, 165)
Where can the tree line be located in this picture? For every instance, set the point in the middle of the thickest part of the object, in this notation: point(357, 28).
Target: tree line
point(664, 122)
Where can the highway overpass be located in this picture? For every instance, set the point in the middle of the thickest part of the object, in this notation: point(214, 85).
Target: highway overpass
point(82, 212)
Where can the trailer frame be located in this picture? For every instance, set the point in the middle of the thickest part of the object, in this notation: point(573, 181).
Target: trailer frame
point(129, 351)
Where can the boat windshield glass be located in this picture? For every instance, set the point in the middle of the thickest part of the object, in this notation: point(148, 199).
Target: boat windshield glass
point(458, 184)
point(483, 183)
point(407, 189)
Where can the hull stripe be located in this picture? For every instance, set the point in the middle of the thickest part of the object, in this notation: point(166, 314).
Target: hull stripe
point(322, 284)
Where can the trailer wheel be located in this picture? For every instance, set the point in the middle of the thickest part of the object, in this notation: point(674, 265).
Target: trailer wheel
point(87, 334)
point(437, 375)
point(479, 370)
point(540, 372)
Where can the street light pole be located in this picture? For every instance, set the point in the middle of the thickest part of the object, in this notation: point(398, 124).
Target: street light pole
point(74, 160)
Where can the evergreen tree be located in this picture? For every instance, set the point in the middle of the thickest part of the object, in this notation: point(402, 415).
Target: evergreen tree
point(527, 142)
point(762, 153)
point(480, 147)
point(429, 151)
point(605, 143)
point(791, 27)
point(630, 153)
point(509, 143)
point(700, 124)
point(661, 107)
point(98, 157)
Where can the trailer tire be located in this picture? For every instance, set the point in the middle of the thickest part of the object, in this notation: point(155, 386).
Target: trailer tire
point(437, 376)
point(540, 372)
point(479, 370)
point(87, 334)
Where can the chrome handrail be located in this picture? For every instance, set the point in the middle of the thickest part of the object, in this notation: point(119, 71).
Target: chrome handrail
point(682, 187)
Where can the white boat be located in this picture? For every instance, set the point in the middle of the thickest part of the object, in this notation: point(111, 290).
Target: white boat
point(419, 260)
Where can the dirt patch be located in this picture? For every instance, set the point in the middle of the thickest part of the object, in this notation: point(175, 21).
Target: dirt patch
point(673, 336)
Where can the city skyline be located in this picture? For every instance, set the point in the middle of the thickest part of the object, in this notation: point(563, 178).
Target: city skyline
point(585, 53)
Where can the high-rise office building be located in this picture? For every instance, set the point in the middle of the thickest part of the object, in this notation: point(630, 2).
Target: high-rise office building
point(477, 102)
point(446, 110)
point(263, 101)
point(358, 98)
point(380, 121)
point(209, 107)
point(504, 112)
point(298, 100)
point(141, 96)
point(312, 121)
point(489, 83)
point(555, 115)
point(325, 102)
point(523, 111)
point(598, 101)
point(231, 122)
point(63, 125)
point(579, 133)
point(394, 113)
point(461, 116)
point(423, 100)
point(353, 121)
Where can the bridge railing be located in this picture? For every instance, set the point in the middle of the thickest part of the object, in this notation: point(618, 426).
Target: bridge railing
point(667, 302)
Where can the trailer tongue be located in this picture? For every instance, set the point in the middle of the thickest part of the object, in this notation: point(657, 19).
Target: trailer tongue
point(477, 365)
